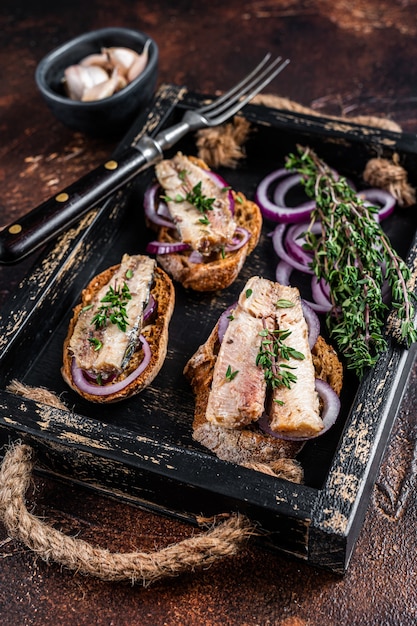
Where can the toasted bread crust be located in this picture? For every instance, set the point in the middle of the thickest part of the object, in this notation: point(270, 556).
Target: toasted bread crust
point(156, 334)
point(247, 446)
point(220, 273)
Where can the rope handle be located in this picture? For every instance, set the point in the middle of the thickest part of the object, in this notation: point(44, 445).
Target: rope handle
point(76, 554)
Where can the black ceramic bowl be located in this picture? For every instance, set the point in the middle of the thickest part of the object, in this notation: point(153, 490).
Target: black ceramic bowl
point(112, 115)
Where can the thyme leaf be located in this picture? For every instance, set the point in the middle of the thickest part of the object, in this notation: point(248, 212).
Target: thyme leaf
point(230, 375)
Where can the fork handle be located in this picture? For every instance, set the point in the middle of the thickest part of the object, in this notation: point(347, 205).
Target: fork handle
point(55, 215)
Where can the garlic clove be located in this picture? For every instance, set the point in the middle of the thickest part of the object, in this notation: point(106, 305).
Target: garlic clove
point(99, 60)
point(122, 58)
point(102, 90)
point(139, 63)
point(78, 78)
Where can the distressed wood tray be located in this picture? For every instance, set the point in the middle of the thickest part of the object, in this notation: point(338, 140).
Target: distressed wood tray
point(141, 450)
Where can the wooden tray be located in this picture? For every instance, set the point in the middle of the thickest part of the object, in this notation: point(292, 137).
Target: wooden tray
point(141, 450)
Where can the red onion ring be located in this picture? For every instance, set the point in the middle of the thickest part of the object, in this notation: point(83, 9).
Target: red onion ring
point(280, 212)
point(196, 257)
point(106, 390)
point(313, 323)
point(240, 238)
point(220, 182)
point(383, 200)
point(295, 249)
point(279, 247)
point(161, 247)
point(150, 308)
point(283, 276)
point(319, 295)
point(331, 410)
point(150, 201)
point(224, 321)
point(284, 187)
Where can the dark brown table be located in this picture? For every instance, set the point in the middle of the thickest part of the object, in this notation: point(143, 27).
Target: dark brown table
point(346, 59)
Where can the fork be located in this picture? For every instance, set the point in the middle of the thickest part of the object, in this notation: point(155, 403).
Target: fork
point(55, 215)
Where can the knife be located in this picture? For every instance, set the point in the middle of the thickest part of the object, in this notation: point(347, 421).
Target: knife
point(55, 215)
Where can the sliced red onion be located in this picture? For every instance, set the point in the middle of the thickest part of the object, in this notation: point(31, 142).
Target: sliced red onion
point(106, 390)
point(280, 212)
point(283, 273)
point(196, 257)
point(224, 321)
point(331, 410)
point(283, 276)
point(279, 247)
point(313, 323)
point(319, 295)
point(149, 310)
point(240, 238)
point(284, 187)
point(383, 200)
point(220, 182)
point(160, 247)
point(293, 245)
point(153, 208)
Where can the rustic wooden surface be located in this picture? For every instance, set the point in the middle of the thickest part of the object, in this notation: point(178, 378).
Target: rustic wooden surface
point(347, 59)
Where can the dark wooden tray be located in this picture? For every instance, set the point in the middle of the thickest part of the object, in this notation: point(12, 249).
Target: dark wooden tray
point(141, 450)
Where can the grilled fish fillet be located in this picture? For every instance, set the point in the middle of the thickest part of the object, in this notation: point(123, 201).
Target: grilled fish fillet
point(179, 176)
point(295, 411)
point(239, 393)
point(238, 399)
point(116, 345)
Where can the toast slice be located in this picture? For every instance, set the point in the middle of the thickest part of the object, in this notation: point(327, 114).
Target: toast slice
point(221, 272)
point(155, 332)
point(249, 446)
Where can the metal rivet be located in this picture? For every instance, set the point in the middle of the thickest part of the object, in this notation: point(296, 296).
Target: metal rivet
point(111, 165)
point(62, 197)
point(15, 229)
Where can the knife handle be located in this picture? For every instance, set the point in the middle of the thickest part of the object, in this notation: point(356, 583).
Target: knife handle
point(52, 217)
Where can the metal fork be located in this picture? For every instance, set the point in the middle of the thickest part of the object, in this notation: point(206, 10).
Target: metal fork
point(55, 215)
point(223, 108)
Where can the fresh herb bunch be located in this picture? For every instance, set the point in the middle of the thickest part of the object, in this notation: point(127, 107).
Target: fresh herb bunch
point(113, 309)
point(273, 352)
point(354, 256)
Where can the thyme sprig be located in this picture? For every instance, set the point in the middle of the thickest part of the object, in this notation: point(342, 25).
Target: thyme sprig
point(354, 256)
point(113, 309)
point(273, 357)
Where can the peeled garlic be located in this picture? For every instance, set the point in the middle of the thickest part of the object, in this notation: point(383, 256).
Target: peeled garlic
point(100, 75)
point(104, 89)
point(78, 78)
point(139, 63)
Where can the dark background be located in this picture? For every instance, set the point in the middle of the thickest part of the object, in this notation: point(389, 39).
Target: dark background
point(346, 59)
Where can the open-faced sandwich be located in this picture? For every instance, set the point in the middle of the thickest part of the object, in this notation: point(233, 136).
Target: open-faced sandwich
point(205, 230)
point(118, 335)
point(265, 381)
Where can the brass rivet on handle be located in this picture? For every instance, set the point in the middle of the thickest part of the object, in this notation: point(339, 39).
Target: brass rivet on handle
point(111, 165)
point(15, 229)
point(62, 197)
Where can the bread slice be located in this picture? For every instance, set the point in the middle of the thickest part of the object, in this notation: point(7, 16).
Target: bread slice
point(222, 272)
point(249, 446)
point(156, 334)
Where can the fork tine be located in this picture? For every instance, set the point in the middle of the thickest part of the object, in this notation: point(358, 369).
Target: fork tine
point(225, 107)
point(238, 87)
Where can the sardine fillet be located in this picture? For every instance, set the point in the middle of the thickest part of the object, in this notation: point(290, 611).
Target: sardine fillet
point(297, 409)
point(178, 176)
point(239, 401)
point(138, 273)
